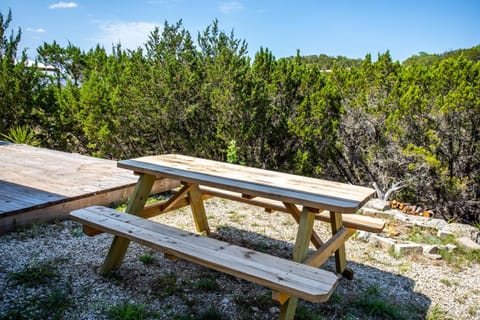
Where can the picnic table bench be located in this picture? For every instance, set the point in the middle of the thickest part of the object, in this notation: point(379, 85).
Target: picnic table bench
point(306, 199)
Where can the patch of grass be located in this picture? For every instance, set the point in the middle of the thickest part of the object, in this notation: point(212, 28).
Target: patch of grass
point(47, 305)
point(457, 258)
point(473, 310)
point(288, 222)
point(303, 313)
point(129, 311)
point(58, 301)
point(29, 231)
point(460, 257)
point(472, 255)
point(167, 285)
point(448, 282)
point(36, 274)
point(245, 302)
point(404, 267)
point(461, 299)
point(263, 246)
point(77, 232)
point(207, 285)
point(436, 313)
point(146, 259)
point(210, 314)
point(396, 255)
point(113, 276)
point(418, 234)
point(151, 199)
point(372, 304)
point(236, 217)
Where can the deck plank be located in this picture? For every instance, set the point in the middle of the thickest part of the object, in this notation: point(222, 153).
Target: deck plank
point(38, 184)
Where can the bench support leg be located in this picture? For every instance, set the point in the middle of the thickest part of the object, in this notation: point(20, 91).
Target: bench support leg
point(135, 206)
point(340, 256)
point(304, 235)
point(198, 210)
point(293, 210)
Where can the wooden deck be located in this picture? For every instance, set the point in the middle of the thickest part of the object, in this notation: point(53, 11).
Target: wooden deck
point(38, 185)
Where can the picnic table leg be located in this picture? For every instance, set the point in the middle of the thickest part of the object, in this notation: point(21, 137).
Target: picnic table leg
point(340, 256)
point(135, 206)
point(304, 233)
point(198, 210)
point(295, 212)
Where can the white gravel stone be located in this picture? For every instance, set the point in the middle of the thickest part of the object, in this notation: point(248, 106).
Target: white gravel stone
point(416, 281)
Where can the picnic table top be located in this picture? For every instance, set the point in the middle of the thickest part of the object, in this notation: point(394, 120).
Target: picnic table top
point(310, 192)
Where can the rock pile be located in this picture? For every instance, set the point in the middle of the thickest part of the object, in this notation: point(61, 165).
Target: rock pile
point(405, 216)
point(411, 209)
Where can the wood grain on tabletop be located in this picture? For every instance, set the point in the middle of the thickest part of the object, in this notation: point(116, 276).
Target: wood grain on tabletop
point(316, 193)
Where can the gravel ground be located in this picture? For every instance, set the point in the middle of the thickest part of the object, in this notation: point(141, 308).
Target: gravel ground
point(52, 271)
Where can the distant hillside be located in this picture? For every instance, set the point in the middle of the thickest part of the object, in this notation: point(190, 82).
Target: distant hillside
point(430, 58)
point(328, 62)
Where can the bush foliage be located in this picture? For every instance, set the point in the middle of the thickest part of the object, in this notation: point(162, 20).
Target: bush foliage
point(357, 121)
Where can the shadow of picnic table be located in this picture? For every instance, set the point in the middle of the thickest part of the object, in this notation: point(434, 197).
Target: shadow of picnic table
point(372, 294)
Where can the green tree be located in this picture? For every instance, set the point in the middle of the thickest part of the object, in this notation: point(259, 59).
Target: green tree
point(221, 108)
point(20, 83)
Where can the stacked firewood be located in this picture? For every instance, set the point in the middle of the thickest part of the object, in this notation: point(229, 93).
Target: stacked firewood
point(411, 209)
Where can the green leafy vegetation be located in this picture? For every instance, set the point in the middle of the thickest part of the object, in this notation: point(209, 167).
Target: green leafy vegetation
point(460, 257)
point(146, 258)
point(428, 236)
point(50, 295)
point(35, 274)
point(207, 284)
point(372, 304)
point(129, 311)
point(436, 313)
point(167, 285)
point(365, 121)
point(21, 135)
point(48, 305)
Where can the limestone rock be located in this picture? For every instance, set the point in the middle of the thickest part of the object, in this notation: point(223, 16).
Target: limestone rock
point(450, 247)
point(430, 249)
point(433, 256)
point(443, 234)
point(468, 243)
point(408, 248)
point(463, 230)
point(436, 223)
point(363, 235)
point(378, 204)
point(381, 242)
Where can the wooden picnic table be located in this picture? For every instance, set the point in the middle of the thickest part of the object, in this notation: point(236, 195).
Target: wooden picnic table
point(306, 199)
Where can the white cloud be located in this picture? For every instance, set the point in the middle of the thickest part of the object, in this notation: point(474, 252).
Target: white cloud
point(131, 35)
point(63, 5)
point(36, 30)
point(230, 7)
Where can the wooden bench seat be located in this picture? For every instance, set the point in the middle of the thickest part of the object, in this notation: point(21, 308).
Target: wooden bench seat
point(352, 221)
point(299, 280)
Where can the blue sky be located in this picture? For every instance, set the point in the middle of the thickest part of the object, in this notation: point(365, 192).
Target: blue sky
point(350, 28)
